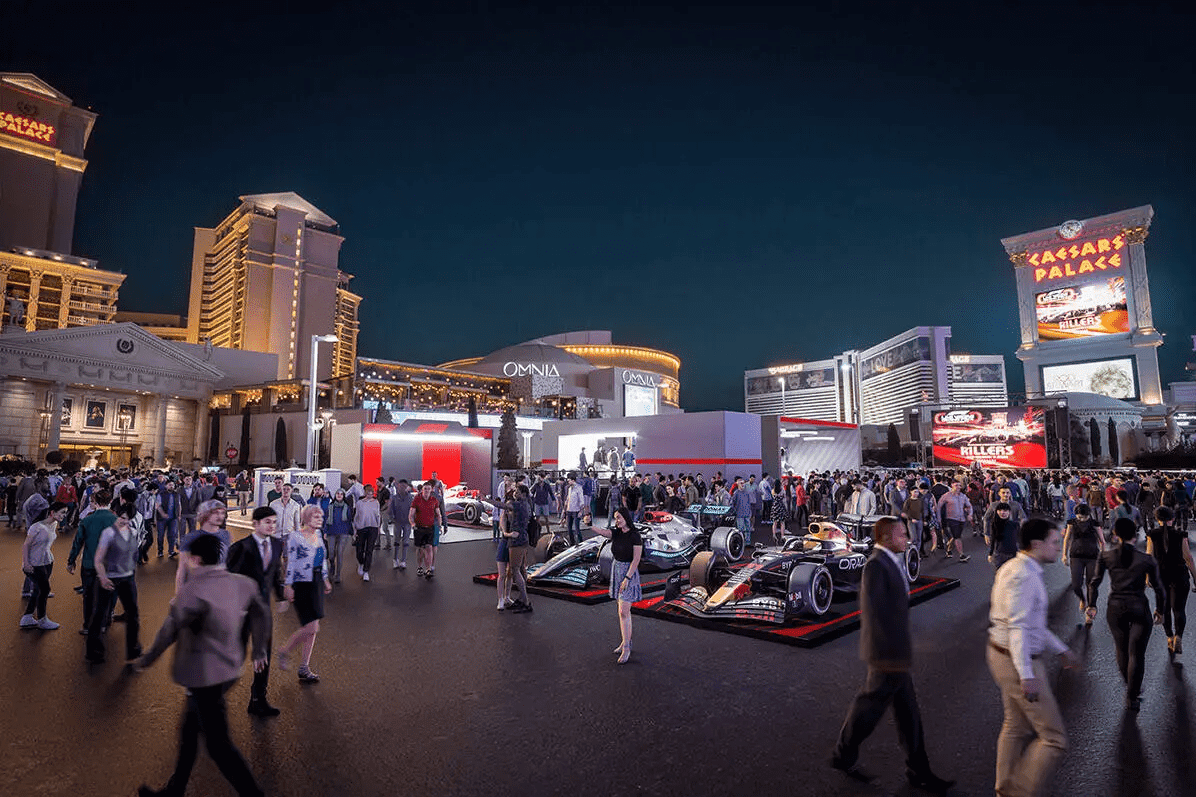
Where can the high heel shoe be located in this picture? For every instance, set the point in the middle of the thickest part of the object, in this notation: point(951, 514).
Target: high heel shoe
point(626, 654)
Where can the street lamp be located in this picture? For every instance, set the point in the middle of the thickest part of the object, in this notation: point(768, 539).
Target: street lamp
point(313, 395)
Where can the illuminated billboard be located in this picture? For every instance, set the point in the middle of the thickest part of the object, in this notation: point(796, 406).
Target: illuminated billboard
point(909, 351)
point(1010, 437)
point(1083, 311)
point(1077, 259)
point(1112, 378)
point(639, 400)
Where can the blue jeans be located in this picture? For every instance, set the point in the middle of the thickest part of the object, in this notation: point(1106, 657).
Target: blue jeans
point(744, 524)
point(170, 530)
point(573, 521)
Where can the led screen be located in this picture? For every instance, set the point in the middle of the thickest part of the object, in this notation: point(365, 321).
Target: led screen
point(1083, 311)
point(1006, 438)
point(639, 400)
point(1112, 378)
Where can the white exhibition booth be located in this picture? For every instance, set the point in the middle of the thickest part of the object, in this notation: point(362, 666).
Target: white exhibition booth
point(801, 445)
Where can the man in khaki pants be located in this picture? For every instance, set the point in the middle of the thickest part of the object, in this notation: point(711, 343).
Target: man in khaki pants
point(1032, 738)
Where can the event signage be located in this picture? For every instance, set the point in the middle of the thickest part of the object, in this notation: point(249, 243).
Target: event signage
point(1112, 378)
point(1081, 311)
point(1010, 437)
point(530, 369)
point(977, 373)
point(23, 126)
point(807, 380)
point(1077, 259)
point(636, 378)
point(894, 357)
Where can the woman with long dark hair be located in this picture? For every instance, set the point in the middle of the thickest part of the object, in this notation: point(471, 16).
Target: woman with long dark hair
point(1170, 547)
point(1128, 613)
point(627, 546)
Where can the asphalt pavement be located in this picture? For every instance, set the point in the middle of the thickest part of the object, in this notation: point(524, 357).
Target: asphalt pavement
point(427, 690)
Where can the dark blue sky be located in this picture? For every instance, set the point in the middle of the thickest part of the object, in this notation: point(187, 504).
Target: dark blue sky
point(739, 186)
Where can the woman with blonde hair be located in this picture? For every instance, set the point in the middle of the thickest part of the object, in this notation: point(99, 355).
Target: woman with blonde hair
point(306, 586)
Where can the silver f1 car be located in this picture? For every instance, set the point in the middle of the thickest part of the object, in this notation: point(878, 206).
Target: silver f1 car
point(670, 542)
point(466, 505)
point(799, 577)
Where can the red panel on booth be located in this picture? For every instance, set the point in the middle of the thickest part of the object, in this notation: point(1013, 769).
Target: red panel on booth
point(445, 459)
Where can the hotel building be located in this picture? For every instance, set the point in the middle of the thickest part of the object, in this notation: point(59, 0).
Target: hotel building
point(266, 279)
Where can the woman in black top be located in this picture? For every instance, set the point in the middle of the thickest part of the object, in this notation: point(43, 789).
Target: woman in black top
point(627, 545)
point(1083, 543)
point(1129, 612)
point(1169, 546)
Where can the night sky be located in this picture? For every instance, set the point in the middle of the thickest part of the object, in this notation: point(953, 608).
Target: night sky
point(741, 187)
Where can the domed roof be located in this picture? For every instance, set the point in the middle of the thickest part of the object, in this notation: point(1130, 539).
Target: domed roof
point(1097, 402)
point(532, 354)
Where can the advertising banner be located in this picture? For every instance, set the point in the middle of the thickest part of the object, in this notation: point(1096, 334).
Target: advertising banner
point(1112, 378)
point(910, 351)
point(1013, 437)
point(1082, 311)
point(639, 400)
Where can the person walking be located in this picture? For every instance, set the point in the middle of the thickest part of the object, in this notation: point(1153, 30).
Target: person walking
point(400, 511)
point(116, 570)
point(205, 619)
point(37, 562)
point(423, 517)
point(887, 648)
point(288, 510)
point(955, 510)
point(517, 512)
point(741, 502)
point(1128, 612)
point(627, 546)
point(778, 512)
point(166, 518)
point(87, 538)
point(306, 586)
point(367, 518)
point(1083, 543)
point(1169, 546)
point(338, 527)
point(190, 498)
point(575, 507)
point(259, 557)
point(244, 487)
point(1032, 738)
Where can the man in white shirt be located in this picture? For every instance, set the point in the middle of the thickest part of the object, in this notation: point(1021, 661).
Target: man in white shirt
point(862, 500)
point(1032, 738)
point(287, 509)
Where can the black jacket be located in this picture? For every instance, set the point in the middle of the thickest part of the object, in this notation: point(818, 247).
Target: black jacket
point(884, 615)
point(245, 558)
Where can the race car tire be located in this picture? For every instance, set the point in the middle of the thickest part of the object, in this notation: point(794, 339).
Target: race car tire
point(606, 563)
point(701, 569)
point(727, 542)
point(471, 513)
point(913, 563)
point(813, 583)
point(543, 547)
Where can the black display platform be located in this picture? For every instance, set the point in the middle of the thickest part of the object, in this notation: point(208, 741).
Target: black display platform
point(590, 597)
point(843, 617)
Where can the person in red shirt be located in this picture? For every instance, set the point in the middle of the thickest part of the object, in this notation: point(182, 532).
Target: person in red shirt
point(801, 513)
point(425, 514)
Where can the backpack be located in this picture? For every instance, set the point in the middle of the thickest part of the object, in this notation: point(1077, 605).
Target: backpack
point(533, 531)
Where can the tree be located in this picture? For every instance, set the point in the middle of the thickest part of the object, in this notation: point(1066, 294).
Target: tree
point(1114, 451)
point(473, 412)
point(894, 445)
point(1094, 438)
point(214, 437)
point(54, 457)
point(383, 416)
point(1078, 432)
point(508, 442)
point(280, 444)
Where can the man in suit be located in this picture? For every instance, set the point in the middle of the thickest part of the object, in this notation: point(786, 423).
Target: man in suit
point(206, 618)
point(259, 556)
point(886, 647)
point(189, 501)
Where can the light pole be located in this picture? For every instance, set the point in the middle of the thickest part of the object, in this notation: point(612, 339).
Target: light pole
point(313, 394)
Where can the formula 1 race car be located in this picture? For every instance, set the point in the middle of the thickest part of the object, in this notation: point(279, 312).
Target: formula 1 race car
point(670, 542)
point(799, 577)
point(466, 505)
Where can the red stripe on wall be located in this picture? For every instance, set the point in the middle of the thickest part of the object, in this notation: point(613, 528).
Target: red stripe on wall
point(445, 459)
point(639, 461)
point(812, 422)
point(550, 462)
point(371, 462)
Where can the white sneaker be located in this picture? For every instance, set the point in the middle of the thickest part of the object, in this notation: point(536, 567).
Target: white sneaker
point(46, 624)
point(402, 565)
point(360, 570)
point(365, 576)
point(27, 621)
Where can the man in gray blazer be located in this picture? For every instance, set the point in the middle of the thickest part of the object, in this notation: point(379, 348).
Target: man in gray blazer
point(886, 647)
point(205, 619)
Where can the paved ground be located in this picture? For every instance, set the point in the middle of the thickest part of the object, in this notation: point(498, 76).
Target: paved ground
point(428, 690)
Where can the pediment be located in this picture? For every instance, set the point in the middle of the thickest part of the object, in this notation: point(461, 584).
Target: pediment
point(31, 83)
point(117, 347)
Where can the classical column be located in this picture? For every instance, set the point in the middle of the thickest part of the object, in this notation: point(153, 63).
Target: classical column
point(4, 269)
point(201, 425)
point(54, 392)
point(1135, 238)
point(64, 301)
point(160, 442)
point(35, 287)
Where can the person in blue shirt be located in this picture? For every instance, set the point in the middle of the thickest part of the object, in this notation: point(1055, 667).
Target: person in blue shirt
point(741, 501)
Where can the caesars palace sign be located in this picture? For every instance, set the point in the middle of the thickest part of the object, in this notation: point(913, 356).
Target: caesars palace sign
point(1073, 260)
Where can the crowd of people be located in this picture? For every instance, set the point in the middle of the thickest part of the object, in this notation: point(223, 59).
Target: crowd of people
point(1126, 528)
